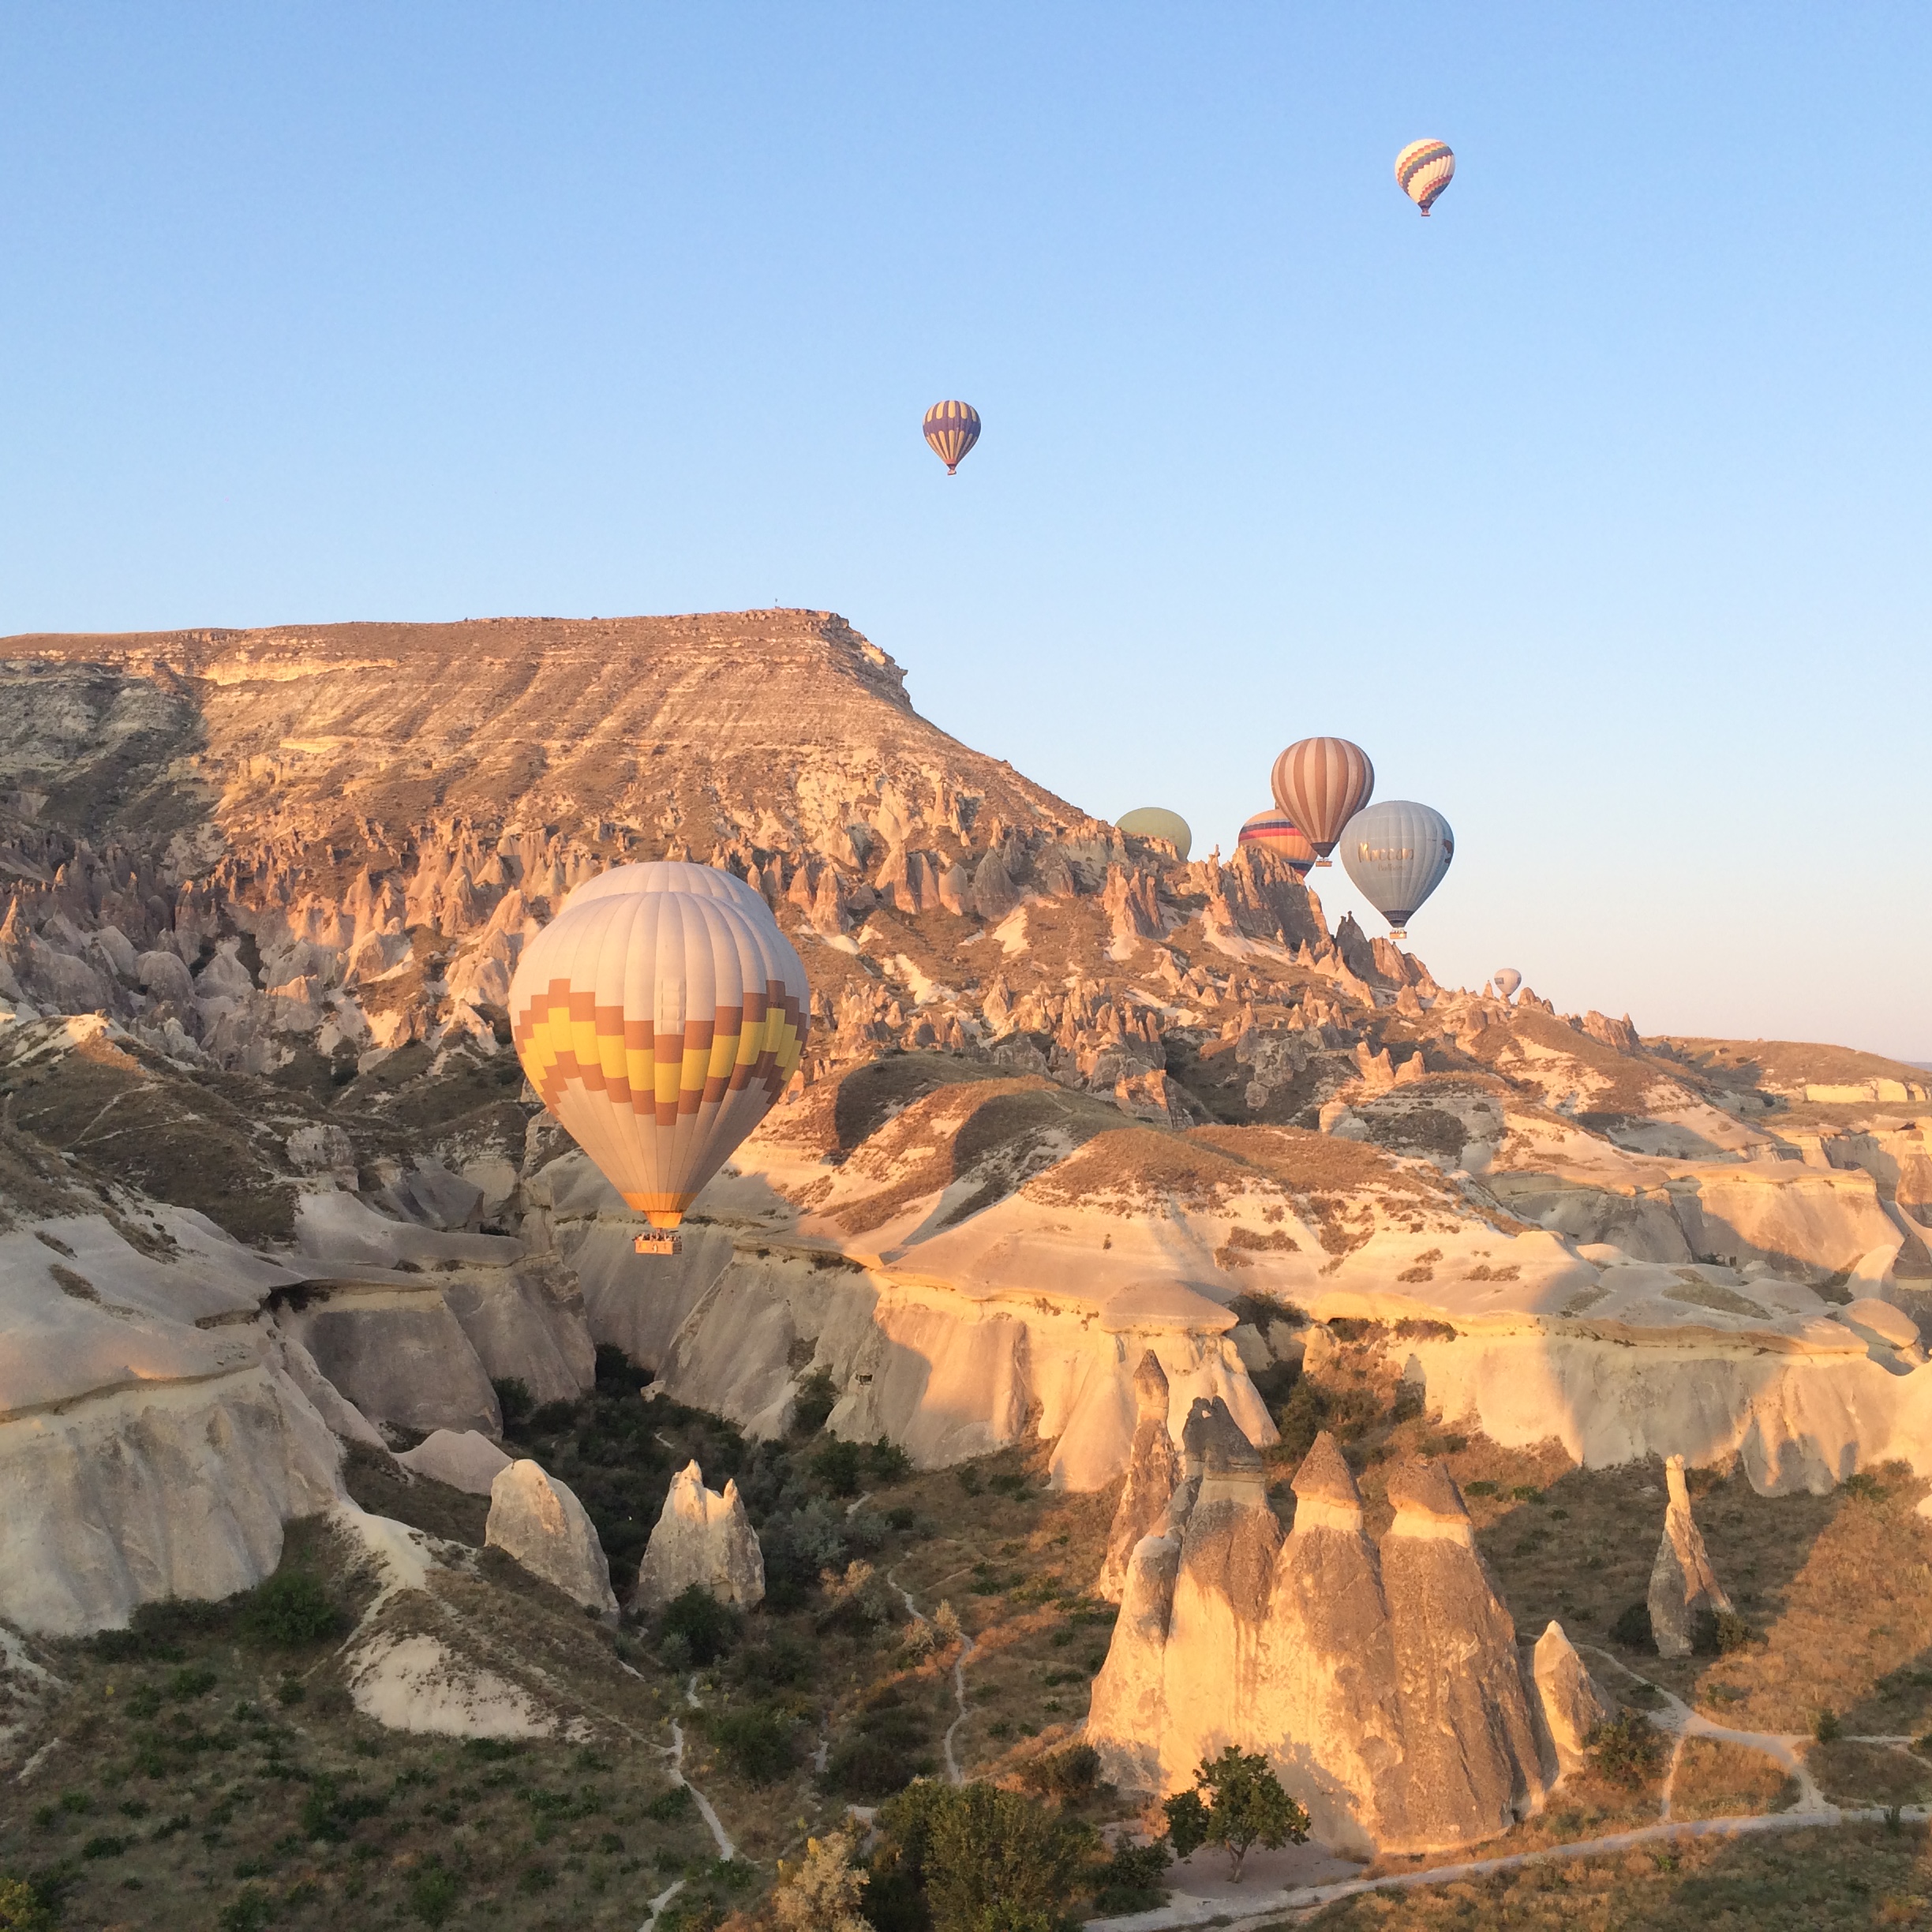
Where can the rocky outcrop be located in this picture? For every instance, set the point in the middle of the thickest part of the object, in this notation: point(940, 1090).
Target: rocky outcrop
point(464, 1459)
point(1470, 1765)
point(702, 1538)
point(1382, 1683)
point(1153, 1471)
point(1684, 1589)
point(538, 1520)
point(1569, 1704)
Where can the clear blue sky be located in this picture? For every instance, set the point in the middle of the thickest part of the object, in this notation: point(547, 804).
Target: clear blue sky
point(1597, 506)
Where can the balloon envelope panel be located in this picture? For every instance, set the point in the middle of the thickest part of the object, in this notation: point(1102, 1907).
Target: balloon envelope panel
point(666, 875)
point(1423, 170)
point(1157, 822)
point(659, 1027)
point(1397, 852)
point(1321, 783)
point(951, 428)
point(1276, 830)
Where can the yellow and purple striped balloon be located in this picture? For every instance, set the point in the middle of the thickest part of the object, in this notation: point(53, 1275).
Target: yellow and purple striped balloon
point(1423, 170)
point(658, 1016)
point(951, 428)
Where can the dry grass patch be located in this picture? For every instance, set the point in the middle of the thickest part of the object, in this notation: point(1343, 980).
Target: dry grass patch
point(1851, 1773)
point(1718, 1780)
point(1822, 1881)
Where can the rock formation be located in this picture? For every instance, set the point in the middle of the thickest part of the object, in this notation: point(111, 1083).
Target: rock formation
point(1684, 1589)
point(1569, 1704)
point(1153, 1471)
point(1383, 1684)
point(701, 1538)
point(284, 877)
point(462, 1458)
point(538, 1520)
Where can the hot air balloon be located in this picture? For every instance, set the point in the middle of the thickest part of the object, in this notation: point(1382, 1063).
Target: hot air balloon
point(1321, 783)
point(658, 1016)
point(1279, 833)
point(951, 428)
point(1155, 823)
point(1397, 852)
point(1423, 170)
point(1507, 979)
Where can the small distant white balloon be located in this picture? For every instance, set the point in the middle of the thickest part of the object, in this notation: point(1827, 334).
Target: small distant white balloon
point(1507, 980)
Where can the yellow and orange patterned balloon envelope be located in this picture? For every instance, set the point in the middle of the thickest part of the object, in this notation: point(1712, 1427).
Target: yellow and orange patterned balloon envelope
point(1423, 170)
point(658, 1016)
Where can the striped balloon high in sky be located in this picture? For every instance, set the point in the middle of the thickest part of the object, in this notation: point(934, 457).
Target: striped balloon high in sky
point(658, 1016)
point(1321, 783)
point(951, 428)
point(1279, 833)
point(1423, 170)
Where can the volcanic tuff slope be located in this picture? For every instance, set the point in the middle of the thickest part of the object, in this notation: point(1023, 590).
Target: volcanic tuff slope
point(1069, 1099)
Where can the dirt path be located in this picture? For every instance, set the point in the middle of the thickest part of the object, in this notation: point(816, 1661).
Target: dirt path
point(954, 1774)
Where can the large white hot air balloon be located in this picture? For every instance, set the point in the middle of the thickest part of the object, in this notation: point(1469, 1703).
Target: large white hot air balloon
point(1397, 851)
point(1507, 979)
point(658, 1016)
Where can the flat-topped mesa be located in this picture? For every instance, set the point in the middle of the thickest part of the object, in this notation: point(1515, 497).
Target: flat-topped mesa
point(1153, 1472)
point(1326, 1497)
point(1428, 1504)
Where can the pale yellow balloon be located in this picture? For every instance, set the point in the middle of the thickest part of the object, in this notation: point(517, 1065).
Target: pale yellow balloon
point(1156, 822)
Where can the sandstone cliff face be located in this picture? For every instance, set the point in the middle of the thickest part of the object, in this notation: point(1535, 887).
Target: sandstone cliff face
point(1684, 1588)
point(1383, 1682)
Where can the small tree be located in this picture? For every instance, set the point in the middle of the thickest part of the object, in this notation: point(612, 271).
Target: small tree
point(821, 1893)
point(1187, 1823)
point(1247, 1806)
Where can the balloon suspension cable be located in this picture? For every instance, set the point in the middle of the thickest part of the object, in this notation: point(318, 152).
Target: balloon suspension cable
point(658, 1244)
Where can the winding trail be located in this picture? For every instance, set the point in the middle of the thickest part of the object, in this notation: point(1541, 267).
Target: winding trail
point(954, 1774)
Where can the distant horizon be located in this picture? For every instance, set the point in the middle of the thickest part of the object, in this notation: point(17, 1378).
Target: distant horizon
point(1334, 880)
point(1593, 506)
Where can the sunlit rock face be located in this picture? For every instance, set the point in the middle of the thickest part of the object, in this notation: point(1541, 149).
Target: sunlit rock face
point(702, 1539)
point(1382, 1680)
point(1067, 1101)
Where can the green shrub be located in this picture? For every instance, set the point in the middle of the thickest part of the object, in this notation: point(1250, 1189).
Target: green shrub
point(973, 1857)
point(836, 1464)
point(889, 1464)
point(105, 1847)
point(1632, 1628)
point(616, 1373)
point(1628, 1751)
point(328, 1812)
point(515, 1399)
point(1828, 1728)
point(709, 1627)
point(1130, 1881)
point(432, 1889)
point(249, 1911)
point(816, 1398)
point(885, 1750)
point(190, 1682)
point(671, 1805)
point(292, 1608)
point(1064, 1774)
